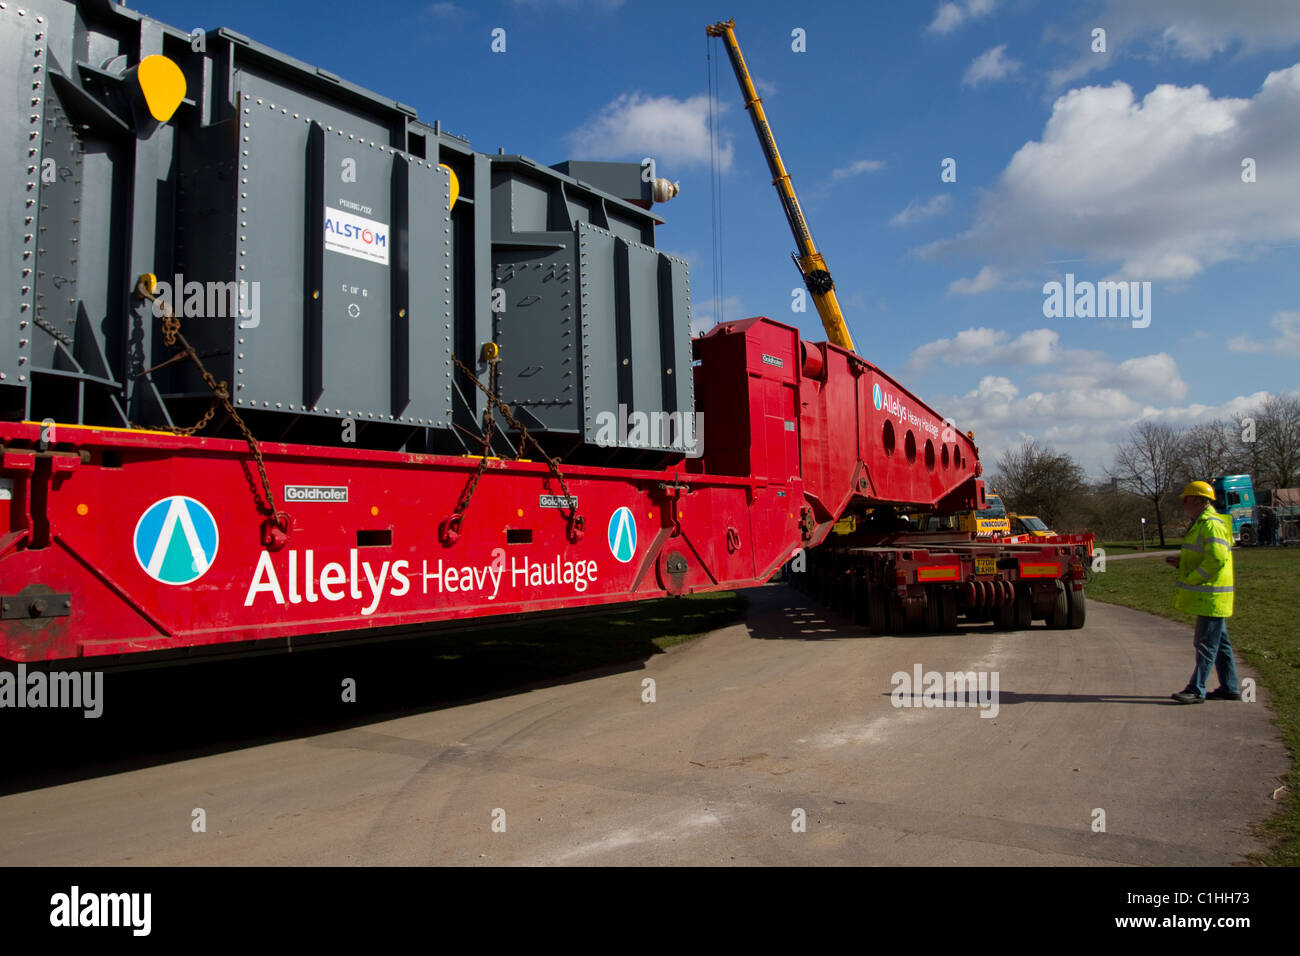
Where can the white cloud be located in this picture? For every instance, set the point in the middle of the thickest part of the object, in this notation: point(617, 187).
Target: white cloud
point(914, 212)
point(1086, 421)
point(1149, 376)
point(1286, 344)
point(952, 14)
point(445, 11)
point(989, 66)
point(1152, 184)
point(857, 168)
point(1192, 29)
point(1145, 377)
point(984, 346)
point(636, 125)
point(986, 279)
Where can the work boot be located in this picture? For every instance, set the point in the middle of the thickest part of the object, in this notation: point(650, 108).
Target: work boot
point(1222, 693)
point(1187, 697)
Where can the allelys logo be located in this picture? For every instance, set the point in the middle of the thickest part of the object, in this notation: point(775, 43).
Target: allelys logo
point(176, 540)
point(876, 396)
point(622, 535)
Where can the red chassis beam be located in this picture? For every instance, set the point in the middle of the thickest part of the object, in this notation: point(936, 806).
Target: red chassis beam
point(100, 524)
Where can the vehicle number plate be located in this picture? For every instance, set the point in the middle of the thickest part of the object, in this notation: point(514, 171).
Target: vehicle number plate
point(986, 566)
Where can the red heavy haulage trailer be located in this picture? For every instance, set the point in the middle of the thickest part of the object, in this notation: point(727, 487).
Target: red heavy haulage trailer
point(792, 442)
point(477, 489)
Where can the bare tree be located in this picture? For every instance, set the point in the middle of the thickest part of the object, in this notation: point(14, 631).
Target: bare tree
point(1277, 436)
point(1037, 480)
point(1211, 449)
point(1148, 464)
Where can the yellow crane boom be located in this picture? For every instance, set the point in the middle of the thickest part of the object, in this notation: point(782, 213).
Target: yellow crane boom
point(811, 263)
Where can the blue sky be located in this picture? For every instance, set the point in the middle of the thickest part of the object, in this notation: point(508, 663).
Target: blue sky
point(1116, 165)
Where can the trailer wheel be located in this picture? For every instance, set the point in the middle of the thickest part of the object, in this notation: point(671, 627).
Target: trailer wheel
point(1024, 609)
point(897, 619)
point(1078, 608)
point(933, 616)
point(1004, 616)
point(878, 601)
point(1060, 613)
point(948, 609)
point(842, 595)
point(1247, 536)
point(861, 603)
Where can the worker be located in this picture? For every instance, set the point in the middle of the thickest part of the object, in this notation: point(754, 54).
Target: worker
point(1204, 588)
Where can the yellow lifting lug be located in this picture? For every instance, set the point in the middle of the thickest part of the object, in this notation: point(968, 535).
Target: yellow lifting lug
point(491, 351)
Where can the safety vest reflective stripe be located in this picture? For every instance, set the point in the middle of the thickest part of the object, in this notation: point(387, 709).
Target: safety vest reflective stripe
point(1205, 588)
point(1204, 573)
point(1221, 541)
point(1193, 548)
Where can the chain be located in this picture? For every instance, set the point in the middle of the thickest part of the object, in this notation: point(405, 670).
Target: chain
point(525, 439)
point(171, 330)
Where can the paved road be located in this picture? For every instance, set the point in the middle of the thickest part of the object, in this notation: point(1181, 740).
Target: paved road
point(790, 711)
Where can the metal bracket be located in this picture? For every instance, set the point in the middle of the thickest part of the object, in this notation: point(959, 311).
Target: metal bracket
point(22, 607)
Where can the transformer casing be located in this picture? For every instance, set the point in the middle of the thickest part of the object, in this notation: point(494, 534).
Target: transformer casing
point(303, 230)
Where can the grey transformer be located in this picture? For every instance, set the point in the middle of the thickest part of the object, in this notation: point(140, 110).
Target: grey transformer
point(303, 230)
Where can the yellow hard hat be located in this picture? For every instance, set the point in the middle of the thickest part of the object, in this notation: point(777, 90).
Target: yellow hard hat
point(1199, 489)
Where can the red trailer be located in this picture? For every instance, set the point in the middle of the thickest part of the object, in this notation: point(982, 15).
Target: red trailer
point(122, 541)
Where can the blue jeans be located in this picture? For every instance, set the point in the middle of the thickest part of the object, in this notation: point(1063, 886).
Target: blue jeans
point(1213, 650)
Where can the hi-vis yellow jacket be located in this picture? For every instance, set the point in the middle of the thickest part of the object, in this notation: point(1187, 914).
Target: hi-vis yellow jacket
point(1205, 567)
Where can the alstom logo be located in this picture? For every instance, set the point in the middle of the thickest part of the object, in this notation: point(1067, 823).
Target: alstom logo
point(877, 398)
point(356, 236)
point(622, 535)
point(176, 540)
point(345, 230)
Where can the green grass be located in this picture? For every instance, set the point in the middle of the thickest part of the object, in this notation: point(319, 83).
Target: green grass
point(1125, 547)
point(1264, 634)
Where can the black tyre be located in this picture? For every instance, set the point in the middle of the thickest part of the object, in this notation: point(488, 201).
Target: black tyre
point(1024, 609)
point(1248, 539)
point(1078, 608)
point(897, 619)
point(844, 594)
point(1059, 616)
point(933, 614)
point(861, 603)
point(1004, 616)
point(879, 603)
point(948, 609)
